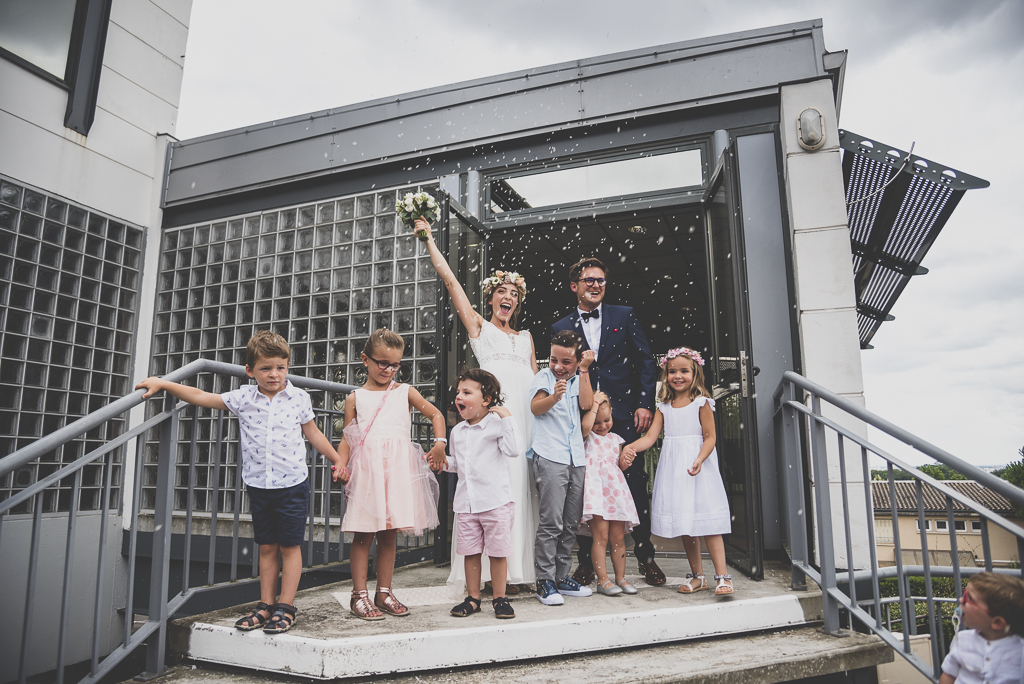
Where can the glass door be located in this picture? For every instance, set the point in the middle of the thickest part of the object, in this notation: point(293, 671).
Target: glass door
point(728, 371)
point(461, 238)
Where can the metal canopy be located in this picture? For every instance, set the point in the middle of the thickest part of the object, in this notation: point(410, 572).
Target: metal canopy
point(896, 203)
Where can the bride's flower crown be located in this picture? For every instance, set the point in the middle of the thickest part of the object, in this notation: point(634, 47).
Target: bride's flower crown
point(498, 278)
point(682, 351)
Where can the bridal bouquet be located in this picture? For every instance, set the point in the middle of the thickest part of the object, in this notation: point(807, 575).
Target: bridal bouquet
point(414, 206)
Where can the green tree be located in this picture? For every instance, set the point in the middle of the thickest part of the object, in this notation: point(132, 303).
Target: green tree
point(940, 472)
point(1014, 474)
point(897, 474)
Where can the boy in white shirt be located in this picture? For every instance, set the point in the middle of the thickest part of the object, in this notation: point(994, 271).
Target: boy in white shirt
point(273, 415)
point(991, 648)
point(478, 448)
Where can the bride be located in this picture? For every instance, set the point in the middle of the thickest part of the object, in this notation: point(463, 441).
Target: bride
point(510, 357)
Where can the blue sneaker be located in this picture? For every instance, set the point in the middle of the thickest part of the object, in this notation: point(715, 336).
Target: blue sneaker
point(547, 594)
point(571, 587)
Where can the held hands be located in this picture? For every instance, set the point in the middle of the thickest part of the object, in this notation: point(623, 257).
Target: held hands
point(500, 410)
point(627, 457)
point(151, 385)
point(436, 457)
point(588, 358)
point(340, 474)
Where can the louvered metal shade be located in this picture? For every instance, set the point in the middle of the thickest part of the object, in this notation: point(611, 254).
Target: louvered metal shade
point(893, 224)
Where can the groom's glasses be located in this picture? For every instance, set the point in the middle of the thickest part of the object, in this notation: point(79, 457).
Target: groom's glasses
point(591, 282)
point(384, 365)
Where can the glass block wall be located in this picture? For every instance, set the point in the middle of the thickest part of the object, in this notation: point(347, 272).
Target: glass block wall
point(322, 275)
point(69, 280)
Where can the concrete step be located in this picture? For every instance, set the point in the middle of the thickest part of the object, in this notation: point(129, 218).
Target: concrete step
point(803, 655)
point(329, 643)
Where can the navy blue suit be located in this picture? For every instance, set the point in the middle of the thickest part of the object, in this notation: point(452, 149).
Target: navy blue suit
point(626, 372)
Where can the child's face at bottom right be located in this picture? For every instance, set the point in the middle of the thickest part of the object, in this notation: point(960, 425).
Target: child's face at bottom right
point(563, 362)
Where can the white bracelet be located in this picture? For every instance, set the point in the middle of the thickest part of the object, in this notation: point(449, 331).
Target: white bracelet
point(441, 439)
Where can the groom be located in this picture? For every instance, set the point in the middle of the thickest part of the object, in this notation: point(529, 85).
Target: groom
point(625, 370)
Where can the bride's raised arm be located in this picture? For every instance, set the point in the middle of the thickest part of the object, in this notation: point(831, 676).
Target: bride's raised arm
point(467, 314)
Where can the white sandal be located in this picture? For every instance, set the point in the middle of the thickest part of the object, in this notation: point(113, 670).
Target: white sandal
point(724, 585)
point(687, 587)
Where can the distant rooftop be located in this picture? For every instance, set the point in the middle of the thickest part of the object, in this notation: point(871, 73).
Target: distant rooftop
point(934, 500)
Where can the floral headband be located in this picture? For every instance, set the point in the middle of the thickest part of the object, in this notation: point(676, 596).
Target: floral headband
point(682, 351)
point(499, 278)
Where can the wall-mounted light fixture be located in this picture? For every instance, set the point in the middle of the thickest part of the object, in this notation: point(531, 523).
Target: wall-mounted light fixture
point(810, 128)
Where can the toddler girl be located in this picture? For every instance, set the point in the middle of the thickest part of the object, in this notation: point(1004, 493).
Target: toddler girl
point(608, 506)
point(390, 487)
point(689, 496)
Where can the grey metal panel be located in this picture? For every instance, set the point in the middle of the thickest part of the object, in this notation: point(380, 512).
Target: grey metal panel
point(768, 294)
point(464, 115)
point(675, 79)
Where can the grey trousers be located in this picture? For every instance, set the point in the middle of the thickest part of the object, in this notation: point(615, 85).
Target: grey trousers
point(560, 493)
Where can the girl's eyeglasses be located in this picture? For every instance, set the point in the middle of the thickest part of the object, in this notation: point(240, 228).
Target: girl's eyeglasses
point(384, 365)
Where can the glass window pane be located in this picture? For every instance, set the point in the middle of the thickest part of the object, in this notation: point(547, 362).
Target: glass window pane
point(38, 32)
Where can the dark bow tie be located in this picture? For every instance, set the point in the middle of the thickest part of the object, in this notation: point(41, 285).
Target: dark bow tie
point(587, 315)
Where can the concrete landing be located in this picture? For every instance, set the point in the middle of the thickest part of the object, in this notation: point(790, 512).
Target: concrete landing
point(329, 643)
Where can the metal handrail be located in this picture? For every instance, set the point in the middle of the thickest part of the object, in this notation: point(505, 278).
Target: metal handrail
point(1013, 494)
point(803, 433)
point(164, 599)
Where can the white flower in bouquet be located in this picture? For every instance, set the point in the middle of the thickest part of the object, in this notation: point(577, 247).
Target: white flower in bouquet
point(414, 206)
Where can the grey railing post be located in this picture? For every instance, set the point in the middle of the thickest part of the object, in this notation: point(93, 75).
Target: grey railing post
point(829, 605)
point(160, 570)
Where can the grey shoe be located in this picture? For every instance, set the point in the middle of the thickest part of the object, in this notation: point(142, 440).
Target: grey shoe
point(627, 588)
point(609, 589)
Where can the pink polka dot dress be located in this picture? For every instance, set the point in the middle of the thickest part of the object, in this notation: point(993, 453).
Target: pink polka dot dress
point(605, 492)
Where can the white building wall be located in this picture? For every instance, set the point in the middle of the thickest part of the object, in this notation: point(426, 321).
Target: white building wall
point(116, 170)
point(826, 300)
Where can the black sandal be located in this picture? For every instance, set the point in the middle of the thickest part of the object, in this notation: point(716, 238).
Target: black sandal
point(466, 608)
point(503, 609)
point(282, 619)
point(254, 620)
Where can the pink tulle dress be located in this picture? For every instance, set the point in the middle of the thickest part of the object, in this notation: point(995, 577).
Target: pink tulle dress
point(391, 486)
point(605, 492)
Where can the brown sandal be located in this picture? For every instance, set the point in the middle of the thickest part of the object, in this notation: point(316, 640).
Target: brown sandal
point(362, 608)
point(390, 604)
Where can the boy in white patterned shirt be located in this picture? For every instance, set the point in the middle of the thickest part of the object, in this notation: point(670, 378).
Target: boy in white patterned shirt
point(273, 416)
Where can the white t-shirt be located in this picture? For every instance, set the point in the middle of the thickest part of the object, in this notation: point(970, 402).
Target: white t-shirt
point(273, 447)
point(477, 453)
point(973, 659)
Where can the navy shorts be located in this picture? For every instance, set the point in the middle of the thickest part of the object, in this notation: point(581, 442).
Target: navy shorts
point(279, 515)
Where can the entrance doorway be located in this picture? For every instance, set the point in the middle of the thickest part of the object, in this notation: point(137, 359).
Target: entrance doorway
point(662, 262)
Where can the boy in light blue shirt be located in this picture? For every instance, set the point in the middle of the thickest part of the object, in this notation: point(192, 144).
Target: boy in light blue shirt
point(559, 464)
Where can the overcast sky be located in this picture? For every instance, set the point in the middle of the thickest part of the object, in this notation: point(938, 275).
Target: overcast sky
point(945, 74)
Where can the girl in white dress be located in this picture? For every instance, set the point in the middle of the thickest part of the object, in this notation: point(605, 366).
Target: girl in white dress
point(510, 356)
point(689, 496)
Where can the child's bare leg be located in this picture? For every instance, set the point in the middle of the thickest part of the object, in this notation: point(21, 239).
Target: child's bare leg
point(692, 547)
point(387, 541)
point(291, 571)
point(616, 535)
point(359, 559)
point(499, 576)
point(473, 571)
point(599, 528)
point(270, 566)
point(716, 548)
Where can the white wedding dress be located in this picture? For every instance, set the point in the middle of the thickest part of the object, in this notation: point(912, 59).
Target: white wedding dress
point(508, 358)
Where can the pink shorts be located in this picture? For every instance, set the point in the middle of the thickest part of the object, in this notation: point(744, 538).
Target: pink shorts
point(491, 530)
